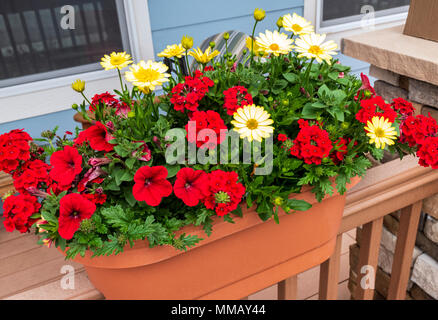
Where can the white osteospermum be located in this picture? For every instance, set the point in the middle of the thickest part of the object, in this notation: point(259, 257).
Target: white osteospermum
point(147, 75)
point(253, 123)
point(274, 42)
point(297, 24)
point(313, 46)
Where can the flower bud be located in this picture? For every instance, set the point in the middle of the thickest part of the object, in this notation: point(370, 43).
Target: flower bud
point(78, 86)
point(226, 36)
point(278, 201)
point(187, 42)
point(345, 125)
point(259, 14)
point(244, 52)
point(75, 107)
point(280, 22)
point(285, 102)
point(212, 44)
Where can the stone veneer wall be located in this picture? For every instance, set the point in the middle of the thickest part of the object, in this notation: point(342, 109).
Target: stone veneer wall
point(423, 284)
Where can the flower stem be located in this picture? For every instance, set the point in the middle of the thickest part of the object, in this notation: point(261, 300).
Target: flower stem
point(307, 75)
point(252, 42)
point(86, 99)
point(120, 78)
point(187, 63)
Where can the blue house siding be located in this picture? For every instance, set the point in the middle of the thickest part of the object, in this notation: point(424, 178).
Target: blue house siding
point(170, 19)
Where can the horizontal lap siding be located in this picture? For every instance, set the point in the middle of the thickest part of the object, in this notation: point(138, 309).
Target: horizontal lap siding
point(171, 19)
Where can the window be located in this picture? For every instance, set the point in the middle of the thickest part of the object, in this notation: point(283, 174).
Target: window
point(336, 12)
point(34, 45)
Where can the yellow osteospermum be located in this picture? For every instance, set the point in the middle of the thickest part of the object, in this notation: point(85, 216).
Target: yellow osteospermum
point(297, 24)
point(253, 123)
point(259, 14)
point(115, 60)
point(147, 75)
point(381, 132)
point(313, 46)
point(175, 50)
point(203, 57)
point(78, 86)
point(274, 42)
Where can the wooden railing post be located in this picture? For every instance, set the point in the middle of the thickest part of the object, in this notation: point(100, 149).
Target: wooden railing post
point(368, 256)
point(287, 289)
point(401, 266)
point(329, 274)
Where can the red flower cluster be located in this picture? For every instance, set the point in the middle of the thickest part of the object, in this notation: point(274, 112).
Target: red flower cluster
point(205, 120)
point(151, 185)
point(188, 94)
point(74, 208)
point(235, 98)
point(224, 192)
point(14, 146)
point(96, 198)
point(403, 107)
point(282, 137)
point(17, 212)
point(109, 100)
point(312, 143)
point(414, 130)
point(32, 175)
point(191, 186)
point(97, 136)
point(67, 164)
point(375, 107)
point(428, 153)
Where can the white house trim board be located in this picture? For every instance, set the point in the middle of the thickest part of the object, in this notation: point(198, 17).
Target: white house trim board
point(53, 95)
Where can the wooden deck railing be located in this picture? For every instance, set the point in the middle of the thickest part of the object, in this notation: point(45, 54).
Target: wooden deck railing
point(385, 189)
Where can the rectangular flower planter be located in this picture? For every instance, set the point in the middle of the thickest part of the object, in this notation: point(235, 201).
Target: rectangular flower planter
point(235, 261)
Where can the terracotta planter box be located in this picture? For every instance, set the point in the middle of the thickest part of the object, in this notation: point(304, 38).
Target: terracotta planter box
point(234, 262)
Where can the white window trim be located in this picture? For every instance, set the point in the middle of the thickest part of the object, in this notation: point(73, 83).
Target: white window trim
point(140, 40)
point(312, 12)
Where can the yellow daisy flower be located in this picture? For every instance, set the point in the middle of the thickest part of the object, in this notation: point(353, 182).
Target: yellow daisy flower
point(253, 123)
point(78, 86)
point(313, 46)
point(175, 50)
point(381, 132)
point(257, 50)
point(203, 57)
point(147, 75)
point(274, 42)
point(297, 24)
point(115, 60)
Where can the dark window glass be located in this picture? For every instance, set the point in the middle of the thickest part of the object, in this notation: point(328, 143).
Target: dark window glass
point(334, 9)
point(33, 42)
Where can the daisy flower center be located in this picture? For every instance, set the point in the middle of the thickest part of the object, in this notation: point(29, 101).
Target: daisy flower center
point(116, 60)
point(315, 50)
point(147, 75)
point(297, 27)
point(274, 47)
point(252, 124)
point(379, 132)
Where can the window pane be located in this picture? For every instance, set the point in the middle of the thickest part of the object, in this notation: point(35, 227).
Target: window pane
point(334, 9)
point(32, 41)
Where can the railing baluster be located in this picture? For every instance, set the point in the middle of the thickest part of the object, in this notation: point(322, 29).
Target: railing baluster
point(329, 274)
point(401, 266)
point(287, 289)
point(368, 256)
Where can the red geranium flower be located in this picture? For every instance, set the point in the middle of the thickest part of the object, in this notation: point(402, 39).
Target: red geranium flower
point(104, 98)
point(151, 185)
point(414, 130)
point(73, 209)
point(282, 137)
point(17, 212)
point(191, 186)
point(97, 136)
point(339, 150)
point(32, 174)
point(375, 107)
point(403, 107)
point(428, 153)
point(67, 164)
point(206, 120)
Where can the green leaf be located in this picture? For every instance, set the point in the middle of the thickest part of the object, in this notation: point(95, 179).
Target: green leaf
point(130, 163)
point(298, 205)
point(291, 77)
point(172, 170)
point(129, 197)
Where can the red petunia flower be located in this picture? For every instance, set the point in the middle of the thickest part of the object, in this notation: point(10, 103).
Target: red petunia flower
point(366, 90)
point(67, 164)
point(74, 208)
point(97, 136)
point(151, 185)
point(17, 212)
point(191, 186)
